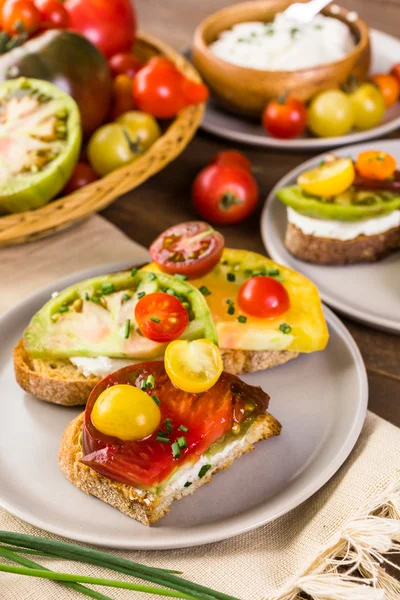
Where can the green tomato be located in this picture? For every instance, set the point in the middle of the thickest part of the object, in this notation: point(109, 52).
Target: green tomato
point(368, 106)
point(330, 114)
point(40, 141)
point(117, 144)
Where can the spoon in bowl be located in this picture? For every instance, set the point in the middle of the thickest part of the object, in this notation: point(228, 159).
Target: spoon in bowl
point(304, 13)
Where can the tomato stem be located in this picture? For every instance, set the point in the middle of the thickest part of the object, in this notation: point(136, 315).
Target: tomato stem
point(228, 200)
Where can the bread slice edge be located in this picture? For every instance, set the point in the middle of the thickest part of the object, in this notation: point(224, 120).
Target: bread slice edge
point(144, 506)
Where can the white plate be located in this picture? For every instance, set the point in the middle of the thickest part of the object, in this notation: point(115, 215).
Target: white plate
point(322, 417)
point(385, 53)
point(369, 293)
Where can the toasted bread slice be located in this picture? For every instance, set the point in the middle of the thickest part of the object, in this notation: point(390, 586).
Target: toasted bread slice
point(60, 382)
point(325, 251)
point(146, 506)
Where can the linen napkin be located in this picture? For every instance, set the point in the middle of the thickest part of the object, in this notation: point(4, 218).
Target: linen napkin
point(330, 547)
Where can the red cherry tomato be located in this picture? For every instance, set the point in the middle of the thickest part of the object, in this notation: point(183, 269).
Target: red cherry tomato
point(124, 63)
point(53, 14)
point(224, 194)
point(161, 317)
point(285, 118)
point(160, 89)
point(192, 249)
point(122, 96)
point(233, 158)
point(18, 16)
point(263, 297)
point(82, 175)
point(108, 24)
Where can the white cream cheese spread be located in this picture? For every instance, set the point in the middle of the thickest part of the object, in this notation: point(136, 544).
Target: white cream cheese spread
point(343, 230)
point(284, 44)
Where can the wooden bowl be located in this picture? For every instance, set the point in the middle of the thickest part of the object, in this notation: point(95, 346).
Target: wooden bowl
point(63, 212)
point(246, 91)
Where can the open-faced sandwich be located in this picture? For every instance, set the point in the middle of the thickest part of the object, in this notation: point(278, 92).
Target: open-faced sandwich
point(343, 212)
point(260, 313)
point(153, 432)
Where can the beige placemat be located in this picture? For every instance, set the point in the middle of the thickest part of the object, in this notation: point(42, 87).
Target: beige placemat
point(351, 521)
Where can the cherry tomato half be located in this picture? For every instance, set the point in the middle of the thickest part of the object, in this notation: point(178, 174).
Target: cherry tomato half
point(224, 194)
point(190, 249)
point(82, 175)
point(263, 297)
point(233, 158)
point(389, 86)
point(374, 164)
point(124, 63)
point(19, 15)
point(161, 317)
point(53, 14)
point(286, 118)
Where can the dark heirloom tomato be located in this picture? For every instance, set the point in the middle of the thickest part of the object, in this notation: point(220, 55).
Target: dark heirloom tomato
point(108, 24)
point(73, 64)
point(190, 249)
point(205, 418)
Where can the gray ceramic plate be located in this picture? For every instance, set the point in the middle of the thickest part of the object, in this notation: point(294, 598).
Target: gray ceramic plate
point(385, 52)
point(369, 293)
point(322, 417)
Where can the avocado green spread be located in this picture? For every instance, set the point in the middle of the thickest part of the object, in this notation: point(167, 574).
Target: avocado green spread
point(90, 318)
point(352, 205)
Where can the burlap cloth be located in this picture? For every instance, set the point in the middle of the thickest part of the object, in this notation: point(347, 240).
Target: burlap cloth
point(269, 562)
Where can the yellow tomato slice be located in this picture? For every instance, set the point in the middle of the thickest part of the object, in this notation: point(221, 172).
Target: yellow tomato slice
point(125, 412)
point(329, 179)
point(194, 366)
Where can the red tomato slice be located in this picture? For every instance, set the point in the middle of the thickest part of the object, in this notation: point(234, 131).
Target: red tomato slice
point(204, 418)
point(233, 158)
point(161, 317)
point(192, 249)
point(263, 297)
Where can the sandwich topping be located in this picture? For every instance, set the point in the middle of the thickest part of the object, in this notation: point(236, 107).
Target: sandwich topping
point(139, 428)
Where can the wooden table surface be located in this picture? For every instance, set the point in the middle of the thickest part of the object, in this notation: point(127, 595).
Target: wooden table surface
point(165, 199)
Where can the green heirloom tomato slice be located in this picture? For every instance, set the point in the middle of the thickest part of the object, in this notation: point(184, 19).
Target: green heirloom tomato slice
point(97, 318)
point(352, 205)
point(40, 140)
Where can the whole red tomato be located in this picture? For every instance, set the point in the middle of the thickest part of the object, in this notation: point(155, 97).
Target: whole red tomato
point(160, 89)
point(285, 118)
point(224, 194)
point(18, 16)
point(82, 175)
point(124, 63)
point(108, 24)
point(53, 14)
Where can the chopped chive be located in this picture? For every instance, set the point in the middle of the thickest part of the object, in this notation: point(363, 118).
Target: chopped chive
point(127, 328)
point(242, 319)
point(248, 272)
point(125, 297)
point(164, 440)
point(168, 426)
point(152, 276)
point(231, 277)
point(143, 385)
point(321, 163)
point(107, 288)
point(150, 381)
point(231, 309)
point(156, 399)
point(182, 443)
point(170, 291)
point(183, 428)
point(64, 309)
point(96, 299)
point(162, 434)
point(273, 272)
point(188, 484)
point(285, 328)
point(176, 451)
point(180, 276)
point(204, 469)
point(133, 272)
point(204, 290)
point(86, 296)
point(141, 294)
point(230, 302)
point(155, 319)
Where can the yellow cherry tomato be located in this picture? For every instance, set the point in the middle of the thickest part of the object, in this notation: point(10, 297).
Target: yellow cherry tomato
point(194, 366)
point(125, 412)
point(329, 179)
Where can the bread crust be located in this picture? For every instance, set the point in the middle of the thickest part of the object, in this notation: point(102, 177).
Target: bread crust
point(325, 251)
point(146, 506)
point(60, 382)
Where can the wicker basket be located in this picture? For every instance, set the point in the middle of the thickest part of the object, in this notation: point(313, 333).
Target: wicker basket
point(63, 212)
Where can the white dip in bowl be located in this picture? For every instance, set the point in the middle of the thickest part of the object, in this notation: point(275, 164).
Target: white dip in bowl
point(284, 44)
